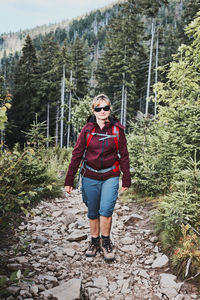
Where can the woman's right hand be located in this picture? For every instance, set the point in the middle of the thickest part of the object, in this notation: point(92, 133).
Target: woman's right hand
point(68, 189)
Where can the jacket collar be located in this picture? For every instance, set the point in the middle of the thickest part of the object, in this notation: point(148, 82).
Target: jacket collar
point(112, 120)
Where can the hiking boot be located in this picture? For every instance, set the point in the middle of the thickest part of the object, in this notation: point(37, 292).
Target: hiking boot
point(107, 248)
point(93, 248)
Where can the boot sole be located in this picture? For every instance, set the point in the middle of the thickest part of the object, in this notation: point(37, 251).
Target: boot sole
point(109, 259)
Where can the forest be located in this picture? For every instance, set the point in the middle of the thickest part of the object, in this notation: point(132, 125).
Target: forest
point(146, 59)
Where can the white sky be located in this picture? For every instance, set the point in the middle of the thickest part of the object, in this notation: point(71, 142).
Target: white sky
point(23, 14)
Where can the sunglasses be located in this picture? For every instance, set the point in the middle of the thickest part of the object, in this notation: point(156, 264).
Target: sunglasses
point(105, 108)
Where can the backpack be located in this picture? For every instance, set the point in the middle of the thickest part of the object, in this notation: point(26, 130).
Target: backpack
point(115, 135)
point(89, 135)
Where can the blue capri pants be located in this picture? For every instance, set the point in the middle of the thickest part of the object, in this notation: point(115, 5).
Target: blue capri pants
point(100, 196)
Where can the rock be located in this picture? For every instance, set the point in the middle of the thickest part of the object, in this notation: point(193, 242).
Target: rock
point(41, 240)
point(34, 290)
point(31, 227)
point(160, 262)
point(132, 219)
point(51, 268)
point(168, 285)
point(112, 286)
point(125, 286)
point(70, 290)
point(81, 223)
point(92, 291)
point(77, 236)
point(125, 208)
point(144, 274)
point(48, 278)
point(149, 261)
point(24, 293)
point(70, 252)
point(22, 259)
point(156, 250)
point(36, 220)
point(68, 219)
point(41, 287)
point(127, 241)
point(57, 213)
point(13, 290)
point(14, 267)
point(154, 239)
point(100, 282)
point(129, 248)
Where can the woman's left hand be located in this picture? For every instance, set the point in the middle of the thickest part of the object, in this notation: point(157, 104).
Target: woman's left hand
point(124, 189)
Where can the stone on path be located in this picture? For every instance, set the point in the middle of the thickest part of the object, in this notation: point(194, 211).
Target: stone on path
point(77, 236)
point(14, 267)
point(57, 213)
point(22, 260)
point(154, 239)
point(169, 286)
point(70, 290)
point(160, 262)
point(132, 218)
point(70, 252)
point(41, 240)
point(100, 282)
point(69, 218)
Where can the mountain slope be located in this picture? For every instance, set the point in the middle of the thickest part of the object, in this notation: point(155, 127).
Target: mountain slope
point(12, 42)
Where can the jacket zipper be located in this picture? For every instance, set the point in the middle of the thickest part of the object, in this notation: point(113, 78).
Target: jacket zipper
point(102, 150)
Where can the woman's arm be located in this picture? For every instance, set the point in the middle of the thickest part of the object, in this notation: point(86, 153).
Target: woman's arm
point(77, 156)
point(124, 160)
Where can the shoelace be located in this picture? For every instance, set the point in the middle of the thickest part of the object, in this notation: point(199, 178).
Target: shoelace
point(108, 245)
point(93, 245)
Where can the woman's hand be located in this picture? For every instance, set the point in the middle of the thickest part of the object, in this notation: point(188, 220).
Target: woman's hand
point(68, 189)
point(124, 189)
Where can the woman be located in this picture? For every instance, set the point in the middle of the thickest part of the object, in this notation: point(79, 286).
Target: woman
point(102, 146)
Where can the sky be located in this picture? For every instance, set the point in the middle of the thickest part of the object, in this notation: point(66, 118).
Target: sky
point(17, 15)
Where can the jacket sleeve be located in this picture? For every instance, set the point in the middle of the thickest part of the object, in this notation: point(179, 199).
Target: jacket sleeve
point(77, 155)
point(124, 160)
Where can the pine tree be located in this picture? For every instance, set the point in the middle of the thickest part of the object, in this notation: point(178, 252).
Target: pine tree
point(48, 84)
point(24, 104)
point(190, 11)
point(8, 69)
point(124, 63)
point(120, 60)
point(63, 60)
point(80, 68)
point(181, 114)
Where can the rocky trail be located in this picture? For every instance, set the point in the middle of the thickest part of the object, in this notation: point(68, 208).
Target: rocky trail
point(51, 243)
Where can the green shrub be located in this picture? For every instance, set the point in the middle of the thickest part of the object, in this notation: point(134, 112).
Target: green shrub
point(150, 158)
point(181, 206)
point(30, 175)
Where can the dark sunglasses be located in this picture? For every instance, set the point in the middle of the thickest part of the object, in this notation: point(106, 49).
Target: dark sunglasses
point(105, 108)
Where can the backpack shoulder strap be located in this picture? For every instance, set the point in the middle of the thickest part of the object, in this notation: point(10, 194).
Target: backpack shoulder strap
point(115, 131)
point(89, 137)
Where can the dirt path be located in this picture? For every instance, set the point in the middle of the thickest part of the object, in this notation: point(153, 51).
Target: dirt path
point(52, 241)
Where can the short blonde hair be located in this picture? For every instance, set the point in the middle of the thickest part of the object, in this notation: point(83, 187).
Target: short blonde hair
point(98, 99)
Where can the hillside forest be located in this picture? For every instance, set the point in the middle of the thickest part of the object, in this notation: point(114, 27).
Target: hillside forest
point(145, 56)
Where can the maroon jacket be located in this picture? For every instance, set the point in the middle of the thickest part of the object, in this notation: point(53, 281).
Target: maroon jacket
point(100, 154)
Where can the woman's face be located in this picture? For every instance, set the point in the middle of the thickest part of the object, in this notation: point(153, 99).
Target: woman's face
point(102, 115)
